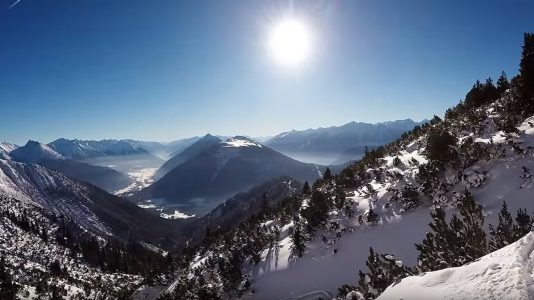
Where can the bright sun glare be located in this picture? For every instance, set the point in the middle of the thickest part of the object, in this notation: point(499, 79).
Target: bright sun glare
point(290, 42)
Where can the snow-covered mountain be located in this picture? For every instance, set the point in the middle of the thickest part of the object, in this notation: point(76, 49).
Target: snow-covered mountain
point(79, 149)
point(504, 274)
point(335, 145)
point(5, 149)
point(36, 153)
point(91, 208)
point(193, 150)
point(213, 175)
point(60, 236)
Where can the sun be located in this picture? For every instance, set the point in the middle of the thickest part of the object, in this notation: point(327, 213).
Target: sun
point(290, 42)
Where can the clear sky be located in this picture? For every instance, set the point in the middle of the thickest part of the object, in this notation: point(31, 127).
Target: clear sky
point(162, 70)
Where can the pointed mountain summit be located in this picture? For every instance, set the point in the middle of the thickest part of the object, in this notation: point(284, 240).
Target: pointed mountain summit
point(196, 148)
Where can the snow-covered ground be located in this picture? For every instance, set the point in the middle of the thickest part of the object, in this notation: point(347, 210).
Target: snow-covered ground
point(507, 273)
point(504, 179)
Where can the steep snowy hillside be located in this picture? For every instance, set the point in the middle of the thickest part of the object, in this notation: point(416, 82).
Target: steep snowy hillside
point(5, 149)
point(201, 183)
point(335, 145)
point(91, 208)
point(507, 273)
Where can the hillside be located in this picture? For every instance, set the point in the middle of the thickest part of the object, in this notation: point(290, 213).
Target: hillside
point(473, 165)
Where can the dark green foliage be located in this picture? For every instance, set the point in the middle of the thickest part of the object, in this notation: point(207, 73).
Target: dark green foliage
point(372, 217)
point(526, 69)
point(504, 233)
point(306, 188)
point(55, 268)
point(8, 288)
point(114, 255)
point(440, 146)
point(481, 93)
point(397, 162)
point(327, 174)
point(317, 211)
point(456, 243)
point(523, 223)
point(383, 270)
point(437, 251)
point(473, 235)
point(502, 84)
point(409, 197)
point(298, 247)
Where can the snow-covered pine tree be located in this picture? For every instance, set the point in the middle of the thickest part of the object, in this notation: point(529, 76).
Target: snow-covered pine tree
point(473, 235)
point(439, 248)
point(523, 224)
point(297, 239)
point(503, 234)
point(8, 288)
point(383, 270)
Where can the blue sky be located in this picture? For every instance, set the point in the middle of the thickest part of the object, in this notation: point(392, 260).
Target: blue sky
point(162, 70)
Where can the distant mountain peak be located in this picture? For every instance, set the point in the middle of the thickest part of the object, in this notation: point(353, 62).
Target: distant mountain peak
point(240, 141)
point(34, 152)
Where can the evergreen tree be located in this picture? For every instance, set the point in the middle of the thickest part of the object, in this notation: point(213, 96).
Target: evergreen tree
point(317, 211)
point(523, 224)
point(504, 233)
point(383, 270)
point(306, 188)
point(473, 236)
point(372, 217)
point(298, 247)
point(8, 288)
point(327, 174)
point(440, 146)
point(526, 69)
point(502, 84)
point(439, 248)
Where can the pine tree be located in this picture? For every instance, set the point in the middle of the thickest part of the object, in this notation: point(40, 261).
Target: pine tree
point(8, 288)
point(504, 233)
point(439, 248)
point(473, 236)
point(523, 224)
point(298, 247)
point(317, 211)
point(306, 188)
point(526, 70)
point(372, 217)
point(383, 270)
point(327, 174)
point(502, 84)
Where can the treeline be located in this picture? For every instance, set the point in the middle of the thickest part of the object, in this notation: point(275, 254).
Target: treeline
point(112, 255)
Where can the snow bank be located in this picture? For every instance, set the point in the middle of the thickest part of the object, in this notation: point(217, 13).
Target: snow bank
point(504, 274)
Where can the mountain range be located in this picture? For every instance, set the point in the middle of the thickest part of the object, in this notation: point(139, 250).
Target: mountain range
point(336, 145)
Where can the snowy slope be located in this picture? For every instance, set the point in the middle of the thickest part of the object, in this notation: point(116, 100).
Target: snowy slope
point(507, 273)
point(6, 148)
point(500, 178)
point(79, 149)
